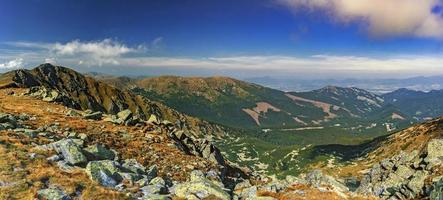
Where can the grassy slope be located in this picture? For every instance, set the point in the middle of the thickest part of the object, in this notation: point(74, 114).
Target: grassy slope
point(221, 100)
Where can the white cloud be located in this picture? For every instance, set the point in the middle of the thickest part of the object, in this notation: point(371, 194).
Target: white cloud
point(103, 52)
point(381, 17)
point(12, 64)
point(302, 65)
point(93, 53)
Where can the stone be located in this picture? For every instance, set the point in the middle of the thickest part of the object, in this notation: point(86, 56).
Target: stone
point(8, 125)
point(99, 152)
point(71, 151)
point(294, 180)
point(152, 172)
point(156, 197)
point(52, 194)
point(156, 186)
point(435, 152)
point(82, 136)
point(28, 132)
point(167, 123)
point(73, 113)
point(386, 164)
point(418, 181)
point(131, 177)
point(437, 190)
point(51, 96)
point(317, 179)
point(143, 181)
point(153, 120)
point(94, 116)
point(124, 114)
point(105, 172)
point(274, 186)
point(404, 171)
point(212, 153)
point(133, 166)
point(199, 188)
point(64, 166)
point(113, 119)
point(247, 193)
point(54, 158)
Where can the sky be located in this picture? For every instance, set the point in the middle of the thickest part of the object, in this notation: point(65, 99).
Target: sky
point(239, 38)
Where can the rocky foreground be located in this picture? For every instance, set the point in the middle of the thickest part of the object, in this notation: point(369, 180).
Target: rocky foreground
point(56, 146)
point(54, 152)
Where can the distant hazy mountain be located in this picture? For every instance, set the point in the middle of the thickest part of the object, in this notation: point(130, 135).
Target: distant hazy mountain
point(241, 104)
point(422, 105)
point(372, 85)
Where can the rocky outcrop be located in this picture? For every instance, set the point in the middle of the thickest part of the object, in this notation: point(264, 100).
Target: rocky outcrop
point(105, 172)
point(199, 147)
point(99, 152)
point(51, 95)
point(434, 153)
point(71, 151)
point(404, 176)
point(65, 86)
point(199, 187)
point(317, 179)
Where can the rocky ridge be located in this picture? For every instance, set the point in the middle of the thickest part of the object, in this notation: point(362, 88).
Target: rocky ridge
point(70, 88)
point(107, 167)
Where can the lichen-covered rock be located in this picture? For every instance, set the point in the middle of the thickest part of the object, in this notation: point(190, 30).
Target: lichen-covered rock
point(70, 150)
point(124, 115)
point(129, 176)
point(52, 194)
point(156, 197)
point(99, 152)
point(317, 179)
point(155, 187)
point(105, 172)
point(418, 181)
point(153, 120)
point(133, 166)
point(93, 116)
point(199, 188)
point(404, 171)
point(152, 172)
point(437, 190)
point(435, 152)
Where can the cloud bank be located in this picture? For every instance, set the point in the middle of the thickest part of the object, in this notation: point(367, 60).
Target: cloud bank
point(118, 58)
point(381, 18)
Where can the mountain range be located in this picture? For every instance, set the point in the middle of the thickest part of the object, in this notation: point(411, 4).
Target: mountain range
point(375, 85)
point(75, 136)
point(240, 104)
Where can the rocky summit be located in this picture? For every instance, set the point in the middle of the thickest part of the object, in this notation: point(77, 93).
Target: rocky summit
point(63, 139)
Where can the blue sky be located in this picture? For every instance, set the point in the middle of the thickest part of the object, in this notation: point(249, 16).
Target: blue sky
point(331, 38)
